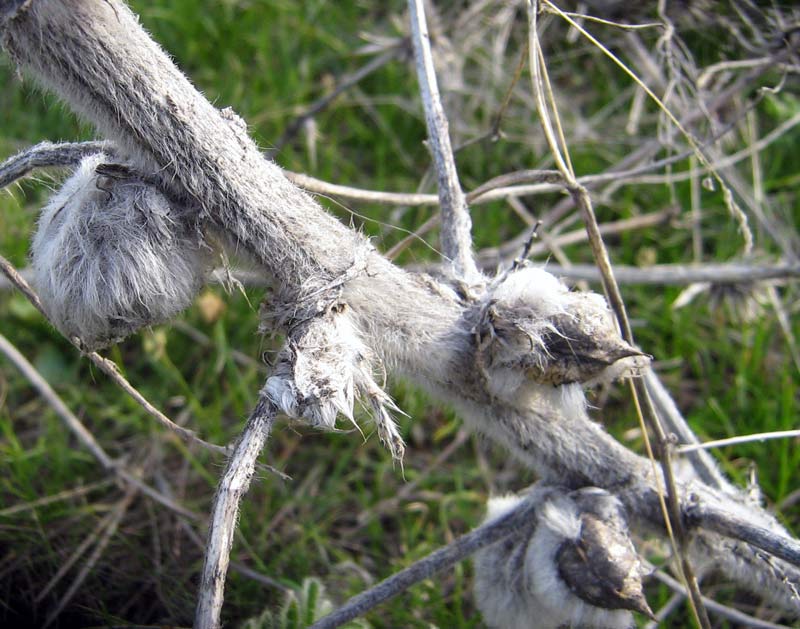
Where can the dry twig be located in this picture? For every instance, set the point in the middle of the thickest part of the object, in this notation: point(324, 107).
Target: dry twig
point(109, 529)
point(222, 527)
point(82, 433)
point(681, 275)
point(456, 223)
point(672, 509)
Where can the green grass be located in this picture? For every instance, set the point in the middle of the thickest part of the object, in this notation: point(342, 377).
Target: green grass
point(267, 59)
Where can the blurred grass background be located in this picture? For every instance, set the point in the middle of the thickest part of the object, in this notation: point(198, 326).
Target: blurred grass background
point(349, 517)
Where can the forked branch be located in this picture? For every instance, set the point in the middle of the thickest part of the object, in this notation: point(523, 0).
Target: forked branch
point(500, 357)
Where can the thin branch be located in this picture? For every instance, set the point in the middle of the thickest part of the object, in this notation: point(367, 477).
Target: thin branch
point(703, 463)
point(318, 186)
point(515, 178)
point(110, 368)
point(116, 517)
point(456, 223)
point(66, 565)
point(495, 133)
point(81, 432)
point(730, 441)
point(721, 610)
point(531, 182)
point(727, 65)
point(232, 486)
point(489, 191)
point(6, 284)
point(536, 67)
point(22, 285)
point(345, 83)
point(652, 219)
point(675, 601)
point(680, 274)
point(56, 403)
point(106, 366)
point(66, 494)
point(414, 236)
point(619, 25)
point(47, 154)
point(725, 161)
point(441, 559)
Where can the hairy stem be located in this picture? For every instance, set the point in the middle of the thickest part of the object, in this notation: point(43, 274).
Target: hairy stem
point(97, 57)
point(232, 487)
point(456, 223)
point(439, 560)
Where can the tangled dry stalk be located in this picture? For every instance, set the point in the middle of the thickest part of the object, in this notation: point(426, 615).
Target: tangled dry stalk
point(512, 353)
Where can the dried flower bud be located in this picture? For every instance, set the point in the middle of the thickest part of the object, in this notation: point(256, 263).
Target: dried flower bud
point(575, 567)
point(534, 328)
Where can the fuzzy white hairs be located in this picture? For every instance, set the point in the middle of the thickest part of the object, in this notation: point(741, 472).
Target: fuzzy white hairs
point(575, 568)
point(112, 255)
point(323, 369)
point(548, 334)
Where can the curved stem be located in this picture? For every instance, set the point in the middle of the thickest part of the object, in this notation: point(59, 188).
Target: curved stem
point(232, 486)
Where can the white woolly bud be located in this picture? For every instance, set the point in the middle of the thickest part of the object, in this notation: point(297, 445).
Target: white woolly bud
point(498, 506)
point(561, 517)
point(534, 288)
point(575, 568)
point(534, 331)
point(112, 255)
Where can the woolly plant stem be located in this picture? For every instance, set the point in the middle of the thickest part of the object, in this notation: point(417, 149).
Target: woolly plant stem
point(715, 519)
point(456, 223)
point(96, 56)
point(47, 154)
point(222, 527)
point(171, 126)
point(441, 559)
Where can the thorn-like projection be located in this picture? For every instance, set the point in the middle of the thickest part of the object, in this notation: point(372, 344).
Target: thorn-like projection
point(601, 565)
